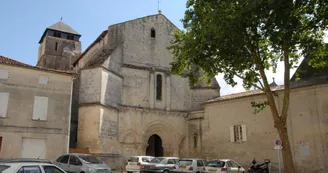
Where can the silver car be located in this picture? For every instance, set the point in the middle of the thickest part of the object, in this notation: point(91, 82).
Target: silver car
point(223, 166)
point(75, 162)
point(160, 165)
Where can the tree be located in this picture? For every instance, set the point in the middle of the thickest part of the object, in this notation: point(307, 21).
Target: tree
point(246, 38)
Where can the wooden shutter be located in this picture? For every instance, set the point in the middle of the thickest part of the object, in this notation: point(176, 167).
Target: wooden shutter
point(4, 98)
point(244, 132)
point(232, 134)
point(40, 109)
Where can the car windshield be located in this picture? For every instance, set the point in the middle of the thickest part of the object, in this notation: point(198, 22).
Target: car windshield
point(90, 159)
point(185, 162)
point(156, 160)
point(215, 163)
point(133, 159)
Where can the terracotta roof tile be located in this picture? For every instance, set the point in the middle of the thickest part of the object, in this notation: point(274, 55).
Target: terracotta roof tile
point(11, 62)
point(243, 94)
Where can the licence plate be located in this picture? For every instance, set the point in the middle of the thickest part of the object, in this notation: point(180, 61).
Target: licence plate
point(212, 170)
point(132, 164)
point(182, 168)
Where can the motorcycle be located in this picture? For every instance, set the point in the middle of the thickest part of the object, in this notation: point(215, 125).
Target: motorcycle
point(259, 168)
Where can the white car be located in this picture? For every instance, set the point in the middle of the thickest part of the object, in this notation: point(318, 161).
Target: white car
point(137, 163)
point(189, 165)
point(29, 167)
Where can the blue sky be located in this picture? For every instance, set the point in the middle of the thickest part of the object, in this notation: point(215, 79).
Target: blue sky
point(24, 21)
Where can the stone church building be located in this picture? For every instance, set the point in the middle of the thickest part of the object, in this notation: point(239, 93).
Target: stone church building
point(126, 102)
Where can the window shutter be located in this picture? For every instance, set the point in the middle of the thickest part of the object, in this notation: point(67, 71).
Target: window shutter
point(232, 134)
point(243, 127)
point(4, 98)
point(40, 109)
point(4, 74)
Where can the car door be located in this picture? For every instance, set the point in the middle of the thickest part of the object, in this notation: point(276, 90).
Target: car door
point(74, 164)
point(51, 169)
point(233, 167)
point(63, 163)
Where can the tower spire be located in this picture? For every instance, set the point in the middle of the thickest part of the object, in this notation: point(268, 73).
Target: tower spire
point(159, 10)
point(61, 18)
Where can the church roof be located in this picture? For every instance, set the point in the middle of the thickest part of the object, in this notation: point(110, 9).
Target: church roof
point(12, 62)
point(62, 27)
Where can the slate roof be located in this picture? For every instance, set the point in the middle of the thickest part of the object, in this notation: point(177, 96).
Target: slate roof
point(243, 94)
point(62, 27)
point(11, 62)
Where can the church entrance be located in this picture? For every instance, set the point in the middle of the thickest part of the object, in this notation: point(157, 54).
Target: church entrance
point(155, 147)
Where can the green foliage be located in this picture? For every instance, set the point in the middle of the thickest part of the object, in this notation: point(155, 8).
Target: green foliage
point(258, 107)
point(227, 36)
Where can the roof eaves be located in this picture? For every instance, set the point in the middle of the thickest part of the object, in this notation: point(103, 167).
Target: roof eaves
point(90, 46)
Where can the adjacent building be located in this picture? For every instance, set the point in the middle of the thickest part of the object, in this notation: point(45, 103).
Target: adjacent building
point(35, 109)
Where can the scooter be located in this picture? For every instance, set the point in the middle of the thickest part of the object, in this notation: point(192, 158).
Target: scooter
point(259, 168)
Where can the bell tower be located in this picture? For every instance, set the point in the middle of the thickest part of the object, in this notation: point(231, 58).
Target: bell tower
point(59, 47)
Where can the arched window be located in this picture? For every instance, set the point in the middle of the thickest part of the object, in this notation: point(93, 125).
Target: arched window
point(159, 87)
point(153, 33)
point(195, 140)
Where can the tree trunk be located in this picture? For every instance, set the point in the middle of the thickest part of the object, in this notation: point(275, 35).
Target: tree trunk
point(287, 155)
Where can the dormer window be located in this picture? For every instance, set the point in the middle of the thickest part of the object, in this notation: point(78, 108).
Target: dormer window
point(152, 33)
point(57, 34)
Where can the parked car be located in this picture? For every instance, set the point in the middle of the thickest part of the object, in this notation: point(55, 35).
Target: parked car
point(13, 160)
point(223, 166)
point(33, 167)
point(160, 165)
point(189, 165)
point(137, 163)
point(75, 162)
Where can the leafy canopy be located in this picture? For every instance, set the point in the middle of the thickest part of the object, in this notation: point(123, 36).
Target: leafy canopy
point(241, 37)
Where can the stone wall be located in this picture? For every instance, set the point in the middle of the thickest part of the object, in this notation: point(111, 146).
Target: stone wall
point(90, 85)
point(307, 125)
point(22, 86)
point(52, 56)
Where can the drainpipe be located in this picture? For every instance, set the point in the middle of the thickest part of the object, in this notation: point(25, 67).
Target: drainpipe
point(70, 116)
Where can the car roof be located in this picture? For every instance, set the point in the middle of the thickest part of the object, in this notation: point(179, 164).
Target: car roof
point(191, 159)
point(26, 163)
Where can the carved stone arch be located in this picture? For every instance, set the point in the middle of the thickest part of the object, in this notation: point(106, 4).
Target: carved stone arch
point(130, 136)
point(166, 133)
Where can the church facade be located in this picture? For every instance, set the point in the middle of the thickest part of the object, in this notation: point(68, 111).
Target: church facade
point(125, 99)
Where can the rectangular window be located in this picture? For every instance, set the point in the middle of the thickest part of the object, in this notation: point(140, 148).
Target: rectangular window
point(4, 74)
point(238, 133)
point(43, 80)
point(56, 46)
point(70, 37)
point(4, 98)
point(40, 108)
point(159, 87)
point(57, 34)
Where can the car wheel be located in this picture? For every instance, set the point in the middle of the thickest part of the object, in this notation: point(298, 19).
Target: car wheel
point(166, 171)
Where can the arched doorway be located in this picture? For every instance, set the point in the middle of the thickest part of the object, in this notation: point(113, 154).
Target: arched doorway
point(155, 147)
